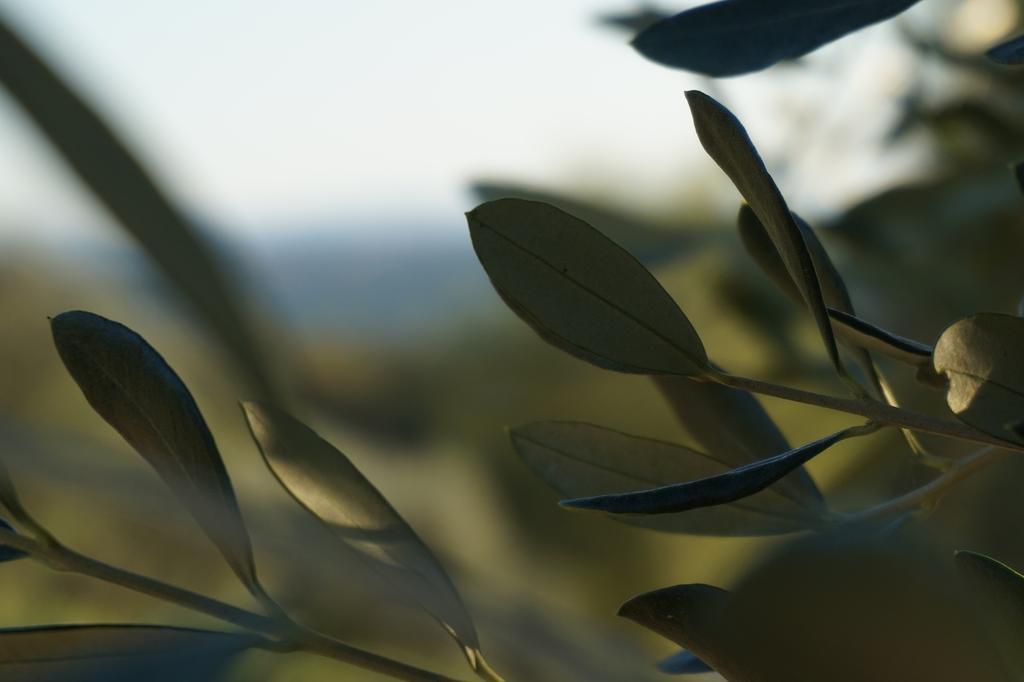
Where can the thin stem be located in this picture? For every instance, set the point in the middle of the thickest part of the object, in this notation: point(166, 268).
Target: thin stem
point(292, 634)
point(871, 409)
point(964, 468)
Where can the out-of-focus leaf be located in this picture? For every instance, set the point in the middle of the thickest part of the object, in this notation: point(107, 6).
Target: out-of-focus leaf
point(117, 653)
point(635, 20)
point(130, 385)
point(1018, 175)
point(581, 292)
point(684, 663)
point(124, 187)
point(690, 616)
point(1000, 591)
point(9, 553)
point(732, 426)
point(651, 243)
point(1009, 53)
point(717, 489)
point(324, 482)
point(580, 460)
point(873, 338)
point(726, 141)
point(981, 356)
point(733, 37)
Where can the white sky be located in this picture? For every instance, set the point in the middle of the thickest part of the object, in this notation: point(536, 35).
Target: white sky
point(256, 113)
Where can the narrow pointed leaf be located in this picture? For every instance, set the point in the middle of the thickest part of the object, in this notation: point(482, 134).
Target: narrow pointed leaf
point(580, 460)
point(692, 616)
point(733, 427)
point(874, 338)
point(1000, 582)
point(1018, 175)
point(117, 179)
point(982, 358)
point(581, 292)
point(684, 663)
point(727, 142)
point(1009, 53)
point(733, 37)
point(329, 486)
point(713, 490)
point(116, 653)
point(130, 385)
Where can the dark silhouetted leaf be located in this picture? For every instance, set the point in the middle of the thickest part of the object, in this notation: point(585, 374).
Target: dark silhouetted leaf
point(733, 37)
point(731, 425)
point(870, 337)
point(581, 292)
point(684, 663)
point(131, 386)
point(1009, 53)
point(328, 485)
point(719, 489)
point(124, 187)
point(690, 616)
point(580, 460)
point(116, 653)
point(727, 142)
point(1018, 175)
point(981, 356)
point(9, 553)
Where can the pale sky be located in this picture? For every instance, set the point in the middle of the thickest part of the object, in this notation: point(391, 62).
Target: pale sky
point(262, 113)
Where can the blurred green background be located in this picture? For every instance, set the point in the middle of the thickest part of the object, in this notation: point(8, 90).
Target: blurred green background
point(329, 153)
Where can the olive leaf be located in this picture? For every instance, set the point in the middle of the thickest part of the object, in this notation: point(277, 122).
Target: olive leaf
point(716, 489)
point(116, 653)
point(733, 37)
point(726, 141)
point(692, 617)
point(581, 292)
point(684, 663)
point(1000, 592)
point(983, 360)
point(731, 425)
point(1018, 175)
point(326, 483)
point(110, 170)
point(129, 384)
point(874, 338)
point(652, 244)
point(9, 553)
point(1008, 53)
point(579, 460)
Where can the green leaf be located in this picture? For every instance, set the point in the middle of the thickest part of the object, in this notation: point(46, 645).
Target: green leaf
point(692, 617)
point(731, 486)
point(110, 170)
point(734, 37)
point(579, 460)
point(651, 243)
point(116, 653)
point(324, 482)
point(1008, 53)
point(731, 425)
point(130, 385)
point(727, 142)
point(874, 338)
point(982, 359)
point(581, 292)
